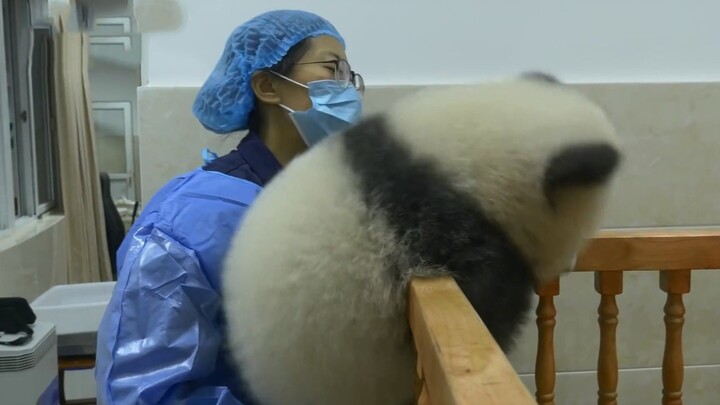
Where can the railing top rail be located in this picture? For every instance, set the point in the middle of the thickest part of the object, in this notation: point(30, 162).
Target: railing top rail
point(633, 249)
point(460, 361)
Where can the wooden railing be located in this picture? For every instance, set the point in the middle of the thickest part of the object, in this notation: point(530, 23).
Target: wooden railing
point(674, 253)
point(460, 363)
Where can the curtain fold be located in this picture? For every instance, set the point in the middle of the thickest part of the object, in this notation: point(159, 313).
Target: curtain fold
point(88, 258)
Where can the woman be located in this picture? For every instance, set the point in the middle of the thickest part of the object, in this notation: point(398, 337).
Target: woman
point(283, 76)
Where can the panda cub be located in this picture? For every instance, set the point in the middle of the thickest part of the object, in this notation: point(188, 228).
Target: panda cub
point(496, 184)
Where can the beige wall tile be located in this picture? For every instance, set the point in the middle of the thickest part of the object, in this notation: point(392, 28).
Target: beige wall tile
point(670, 132)
point(33, 258)
point(635, 386)
point(640, 332)
point(171, 139)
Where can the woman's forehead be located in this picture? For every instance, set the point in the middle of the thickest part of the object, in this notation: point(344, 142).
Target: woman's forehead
point(325, 47)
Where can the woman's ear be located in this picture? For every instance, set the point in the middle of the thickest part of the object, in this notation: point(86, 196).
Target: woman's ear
point(264, 87)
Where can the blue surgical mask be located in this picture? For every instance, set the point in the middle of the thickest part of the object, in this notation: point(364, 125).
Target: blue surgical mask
point(333, 110)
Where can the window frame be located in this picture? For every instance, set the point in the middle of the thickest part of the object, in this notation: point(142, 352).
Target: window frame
point(21, 129)
point(49, 137)
point(7, 186)
point(128, 176)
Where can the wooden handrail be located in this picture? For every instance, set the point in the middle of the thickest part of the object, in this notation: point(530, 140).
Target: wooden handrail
point(459, 362)
point(674, 253)
point(652, 249)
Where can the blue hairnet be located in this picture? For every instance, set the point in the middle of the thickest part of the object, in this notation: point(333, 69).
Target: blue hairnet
point(226, 98)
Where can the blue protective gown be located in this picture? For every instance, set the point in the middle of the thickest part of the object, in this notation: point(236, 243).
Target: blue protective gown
point(161, 338)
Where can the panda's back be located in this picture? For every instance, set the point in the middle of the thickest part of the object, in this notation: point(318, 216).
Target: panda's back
point(328, 301)
point(439, 226)
point(320, 267)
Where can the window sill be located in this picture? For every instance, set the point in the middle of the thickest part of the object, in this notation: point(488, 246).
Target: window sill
point(26, 228)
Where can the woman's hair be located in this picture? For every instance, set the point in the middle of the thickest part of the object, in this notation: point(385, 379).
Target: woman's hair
point(284, 67)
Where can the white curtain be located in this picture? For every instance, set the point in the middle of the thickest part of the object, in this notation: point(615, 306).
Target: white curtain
point(88, 258)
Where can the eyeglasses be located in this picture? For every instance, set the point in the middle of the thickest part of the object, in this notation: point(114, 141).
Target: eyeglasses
point(343, 74)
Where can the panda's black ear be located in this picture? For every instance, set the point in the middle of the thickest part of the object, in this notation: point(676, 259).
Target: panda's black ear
point(540, 77)
point(580, 165)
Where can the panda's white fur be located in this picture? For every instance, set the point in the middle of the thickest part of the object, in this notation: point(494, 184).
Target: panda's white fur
point(497, 142)
point(314, 282)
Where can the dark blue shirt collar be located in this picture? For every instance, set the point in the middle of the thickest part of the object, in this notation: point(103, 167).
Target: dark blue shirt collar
point(250, 160)
point(259, 156)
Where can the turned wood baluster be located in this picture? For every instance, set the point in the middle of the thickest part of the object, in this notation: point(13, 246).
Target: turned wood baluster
point(675, 284)
point(608, 285)
point(545, 360)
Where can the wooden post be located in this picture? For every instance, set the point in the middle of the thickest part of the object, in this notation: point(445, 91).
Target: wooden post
point(675, 284)
point(608, 284)
point(545, 361)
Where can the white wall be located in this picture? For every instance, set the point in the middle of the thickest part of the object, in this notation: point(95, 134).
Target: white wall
point(461, 40)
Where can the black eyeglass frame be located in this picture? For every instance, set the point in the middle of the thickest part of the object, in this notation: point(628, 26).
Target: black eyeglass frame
point(356, 79)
